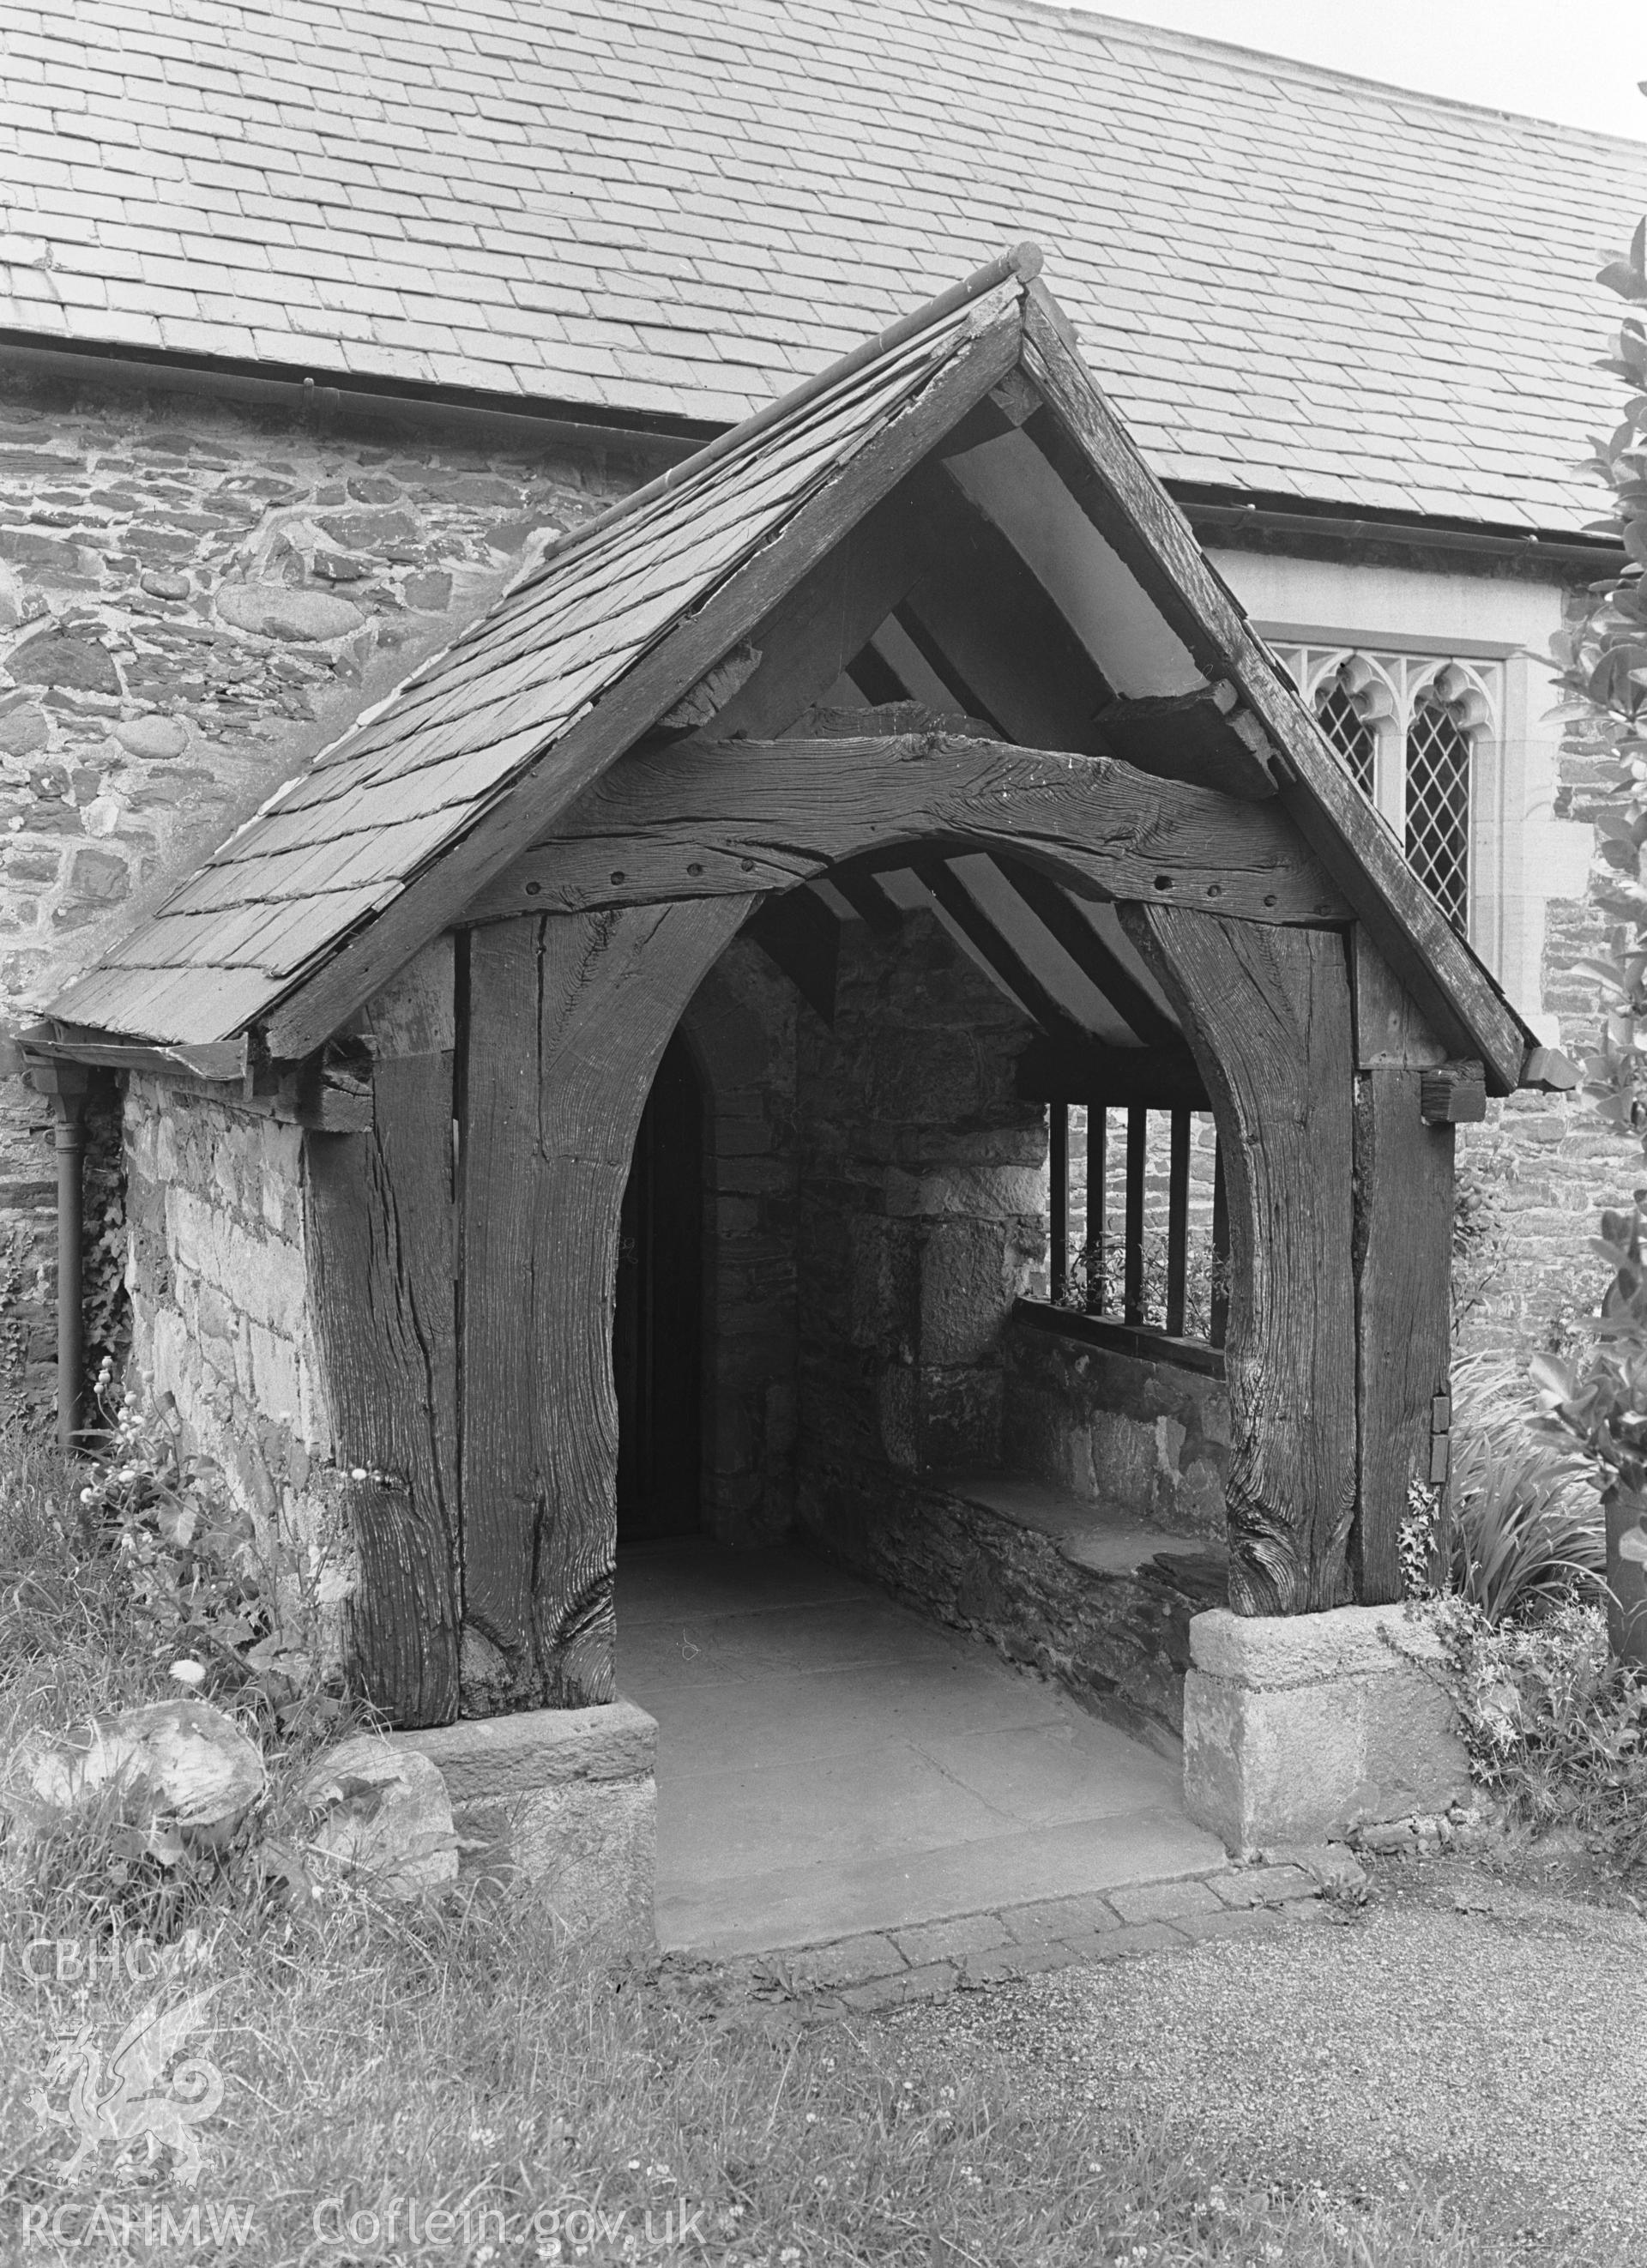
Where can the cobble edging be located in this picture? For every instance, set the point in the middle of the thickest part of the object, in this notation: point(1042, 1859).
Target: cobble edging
point(881, 1970)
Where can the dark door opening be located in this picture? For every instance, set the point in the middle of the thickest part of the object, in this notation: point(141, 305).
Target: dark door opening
point(656, 1350)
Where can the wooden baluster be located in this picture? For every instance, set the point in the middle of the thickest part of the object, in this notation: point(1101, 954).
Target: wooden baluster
point(1096, 1196)
point(1137, 1148)
point(1178, 1222)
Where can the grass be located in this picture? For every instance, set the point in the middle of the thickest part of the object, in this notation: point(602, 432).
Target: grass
point(463, 2059)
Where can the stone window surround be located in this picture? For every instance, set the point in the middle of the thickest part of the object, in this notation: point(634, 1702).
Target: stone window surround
point(1524, 856)
point(1472, 690)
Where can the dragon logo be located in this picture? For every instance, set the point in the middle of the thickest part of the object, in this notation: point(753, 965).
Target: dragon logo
point(124, 2103)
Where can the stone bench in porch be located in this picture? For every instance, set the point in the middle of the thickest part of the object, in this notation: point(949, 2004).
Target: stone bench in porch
point(1085, 1594)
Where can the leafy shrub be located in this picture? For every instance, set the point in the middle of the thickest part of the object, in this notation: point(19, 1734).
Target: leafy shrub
point(1527, 1532)
point(203, 1588)
point(1556, 1728)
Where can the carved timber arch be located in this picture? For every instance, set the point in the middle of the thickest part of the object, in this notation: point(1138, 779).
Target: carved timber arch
point(567, 1017)
point(1267, 1015)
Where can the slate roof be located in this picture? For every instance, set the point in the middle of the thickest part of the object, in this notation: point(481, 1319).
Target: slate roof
point(1292, 282)
point(335, 845)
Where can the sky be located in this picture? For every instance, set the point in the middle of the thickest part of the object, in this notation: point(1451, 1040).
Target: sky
point(1576, 60)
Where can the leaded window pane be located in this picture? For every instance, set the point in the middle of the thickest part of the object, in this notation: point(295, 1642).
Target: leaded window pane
point(1439, 805)
point(1349, 730)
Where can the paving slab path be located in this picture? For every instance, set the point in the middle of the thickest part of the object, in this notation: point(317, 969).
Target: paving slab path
point(831, 1765)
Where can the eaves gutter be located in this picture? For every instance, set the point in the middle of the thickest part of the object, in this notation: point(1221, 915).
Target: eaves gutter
point(1216, 513)
point(317, 395)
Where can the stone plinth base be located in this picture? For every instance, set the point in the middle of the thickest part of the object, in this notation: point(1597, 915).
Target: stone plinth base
point(565, 1799)
point(1299, 1728)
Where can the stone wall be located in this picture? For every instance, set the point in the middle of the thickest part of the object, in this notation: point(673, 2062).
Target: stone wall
point(221, 1331)
point(195, 594)
point(922, 1209)
point(1149, 1438)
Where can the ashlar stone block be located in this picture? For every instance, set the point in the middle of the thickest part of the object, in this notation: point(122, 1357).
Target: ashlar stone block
point(1299, 1728)
point(564, 1799)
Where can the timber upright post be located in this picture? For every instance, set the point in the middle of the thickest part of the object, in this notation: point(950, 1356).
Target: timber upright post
point(567, 1016)
point(1304, 1715)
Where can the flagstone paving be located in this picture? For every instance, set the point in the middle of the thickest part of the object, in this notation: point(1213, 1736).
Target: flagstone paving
point(836, 1773)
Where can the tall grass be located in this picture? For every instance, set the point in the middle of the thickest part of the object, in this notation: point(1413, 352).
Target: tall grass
point(462, 2058)
point(1526, 1522)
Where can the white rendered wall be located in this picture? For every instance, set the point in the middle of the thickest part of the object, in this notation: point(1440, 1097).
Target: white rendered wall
point(1522, 856)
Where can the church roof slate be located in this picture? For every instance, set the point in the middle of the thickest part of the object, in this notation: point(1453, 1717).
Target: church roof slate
point(1293, 283)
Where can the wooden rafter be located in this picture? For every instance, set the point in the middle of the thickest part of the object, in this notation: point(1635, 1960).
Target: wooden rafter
point(1102, 969)
point(948, 892)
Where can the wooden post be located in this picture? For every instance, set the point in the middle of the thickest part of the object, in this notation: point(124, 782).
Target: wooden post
point(567, 1016)
point(1268, 1013)
point(1403, 1257)
point(382, 1253)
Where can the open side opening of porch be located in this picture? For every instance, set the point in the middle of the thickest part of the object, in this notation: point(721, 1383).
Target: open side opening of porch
point(902, 761)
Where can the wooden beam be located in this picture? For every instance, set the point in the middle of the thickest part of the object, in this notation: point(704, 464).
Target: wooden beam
point(1390, 1033)
point(1002, 958)
point(433, 900)
point(990, 620)
point(1453, 1094)
point(867, 899)
point(823, 625)
point(1092, 450)
point(1403, 1257)
point(1268, 1014)
point(1102, 967)
point(381, 1239)
point(704, 817)
point(1189, 736)
point(1087, 1071)
point(568, 1020)
point(802, 938)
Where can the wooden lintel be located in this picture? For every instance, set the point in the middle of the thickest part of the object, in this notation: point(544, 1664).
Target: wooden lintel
point(713, 819)
point(1453, 1094)
point(1090, 1072)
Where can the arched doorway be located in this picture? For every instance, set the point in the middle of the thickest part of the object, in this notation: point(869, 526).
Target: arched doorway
point(657, 1347)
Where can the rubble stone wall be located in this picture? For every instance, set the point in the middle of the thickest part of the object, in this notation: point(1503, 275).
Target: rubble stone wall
point(922, 1209)
point(195, 593)
point(222, 1339)
point(1115, 1430)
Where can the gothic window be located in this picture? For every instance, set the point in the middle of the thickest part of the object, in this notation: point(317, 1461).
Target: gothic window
point(1409, 731)
point(1348, 715)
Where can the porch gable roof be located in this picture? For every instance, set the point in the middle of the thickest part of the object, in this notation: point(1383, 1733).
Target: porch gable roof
point(644, 616)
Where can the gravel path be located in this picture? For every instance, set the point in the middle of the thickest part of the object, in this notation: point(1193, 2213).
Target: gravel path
point(1467, 2031)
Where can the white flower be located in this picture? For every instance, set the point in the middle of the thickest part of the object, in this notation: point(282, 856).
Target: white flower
point(88, 1495)
point(187, 1672)
point(357, 1473)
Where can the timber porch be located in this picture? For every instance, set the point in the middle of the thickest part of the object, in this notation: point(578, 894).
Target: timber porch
point(718, 960)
